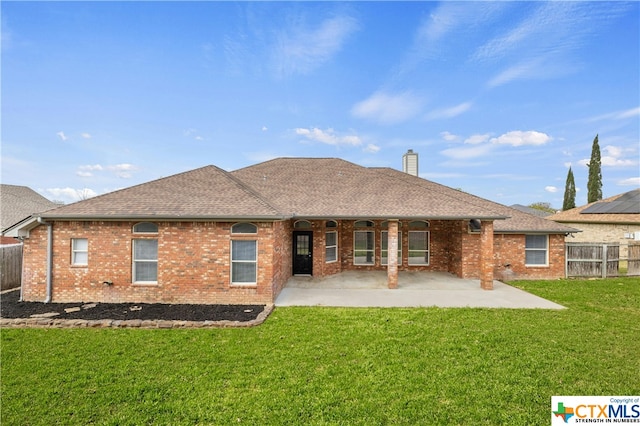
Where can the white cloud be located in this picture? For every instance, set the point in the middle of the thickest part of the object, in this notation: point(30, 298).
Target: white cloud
point(448, 112)
point(62, 136)
point(616, 115)
point(70, 194)
point(299, 49)
point(610, 161)
point(449, 137)
point(192, 133)
point(476, 139)
point(433, 39)
point(85, 135)
point(90, 167)
point(612, 158)
point(387, 108)
point(520, 138)
point(124, 170)
point(634, 181)
point(265, 128)
point(542, 41)
point(328, 136)
point(525, 69)
point(465, 152)
point(551, 189)
point(371, 148)
point(482, 144)
point(613, 151)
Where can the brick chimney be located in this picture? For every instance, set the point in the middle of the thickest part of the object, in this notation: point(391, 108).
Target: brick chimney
point(410, 163)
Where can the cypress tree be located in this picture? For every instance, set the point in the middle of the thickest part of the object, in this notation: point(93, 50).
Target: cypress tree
point(594, 184)
point(569, 192)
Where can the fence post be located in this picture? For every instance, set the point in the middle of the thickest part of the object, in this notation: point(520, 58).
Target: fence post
point(566, 260)
point(605, 263)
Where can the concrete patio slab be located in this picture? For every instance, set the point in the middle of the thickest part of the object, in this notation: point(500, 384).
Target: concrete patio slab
point(415, 289)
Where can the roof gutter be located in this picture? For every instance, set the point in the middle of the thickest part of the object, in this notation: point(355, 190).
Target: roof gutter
point(113, 218)
point(399, 217)
point(49, 259)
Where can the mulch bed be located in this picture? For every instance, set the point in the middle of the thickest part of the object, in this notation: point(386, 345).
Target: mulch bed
point(10, 307)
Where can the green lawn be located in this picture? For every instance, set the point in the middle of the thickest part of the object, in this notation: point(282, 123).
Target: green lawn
point(335, 366)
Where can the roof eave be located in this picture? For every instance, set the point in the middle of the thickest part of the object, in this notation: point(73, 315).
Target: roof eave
point(398, 217)
point(538, 231)
point(22, 228)
point(168, 218)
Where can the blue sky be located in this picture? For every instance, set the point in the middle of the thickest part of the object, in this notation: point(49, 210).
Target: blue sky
point(498, 98)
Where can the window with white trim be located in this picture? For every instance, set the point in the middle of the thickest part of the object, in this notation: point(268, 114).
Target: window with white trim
point(244, 261)
point(363, 248)
point(536, 250)
point(145, 228)
point(302, 224)
point(244, 228)
point(418, 247)
point(145, 261)
point(331, 246)
point(79, 251)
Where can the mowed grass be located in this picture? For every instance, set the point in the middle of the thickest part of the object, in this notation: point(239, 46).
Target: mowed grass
point(335, 366)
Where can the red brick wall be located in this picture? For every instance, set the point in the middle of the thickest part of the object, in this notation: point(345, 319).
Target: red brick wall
point(509, 249)
point(194, 260)
point(8, 240)
point(34, 265)
point(193, 264)
point(282, 256)
point(440, 250)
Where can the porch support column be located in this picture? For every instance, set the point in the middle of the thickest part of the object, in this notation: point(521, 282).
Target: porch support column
point(392, 254)
point(486, 255)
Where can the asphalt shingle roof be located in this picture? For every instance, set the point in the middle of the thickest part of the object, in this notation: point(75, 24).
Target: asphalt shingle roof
point(300, 187)
point(205, 193)
point(330, 187)
point(517, 221)
point(19, 202)
point(576, 215)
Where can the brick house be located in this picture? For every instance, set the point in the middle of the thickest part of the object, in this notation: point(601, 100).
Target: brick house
point(212, 236)
point(614, 220)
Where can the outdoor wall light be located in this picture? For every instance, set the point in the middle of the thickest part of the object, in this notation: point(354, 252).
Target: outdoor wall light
point(107, 282)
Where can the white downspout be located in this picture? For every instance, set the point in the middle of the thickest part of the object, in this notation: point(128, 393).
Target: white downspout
point(49, 257)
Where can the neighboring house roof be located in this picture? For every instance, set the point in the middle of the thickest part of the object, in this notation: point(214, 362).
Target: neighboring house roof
point(605, 211)
point(19, 202)
point(298, 187)
point(531, 210)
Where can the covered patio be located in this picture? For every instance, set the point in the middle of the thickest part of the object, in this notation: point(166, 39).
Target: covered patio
point(415, 289)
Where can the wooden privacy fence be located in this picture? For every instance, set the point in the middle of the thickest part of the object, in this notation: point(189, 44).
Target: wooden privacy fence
point(592, 260)
point(10, 266)
point(633, 260)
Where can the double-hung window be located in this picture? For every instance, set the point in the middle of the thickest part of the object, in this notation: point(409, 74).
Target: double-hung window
point(331, 246)
point(536, 250)
point(79, 251)
point(364, 244)
point(244, 261)
point(145, 260)
point(418, 243)
point(244, 254)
